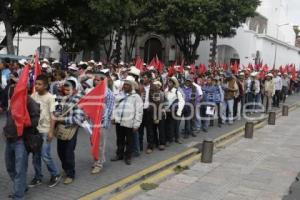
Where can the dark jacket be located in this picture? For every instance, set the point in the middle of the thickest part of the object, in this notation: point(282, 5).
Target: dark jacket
point(10, 130)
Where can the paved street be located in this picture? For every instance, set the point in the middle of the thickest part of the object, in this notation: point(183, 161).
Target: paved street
point(85, 182)
point(258, 169)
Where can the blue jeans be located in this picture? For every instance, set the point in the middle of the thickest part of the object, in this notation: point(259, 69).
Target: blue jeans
point(16, 160)
point(45, 155)
point(196, 123)
point(227, 103)
point(136, 144)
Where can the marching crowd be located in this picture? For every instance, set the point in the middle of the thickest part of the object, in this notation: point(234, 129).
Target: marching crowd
point(146, 105)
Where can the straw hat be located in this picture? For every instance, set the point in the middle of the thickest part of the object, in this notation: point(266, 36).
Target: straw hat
point(175, 81)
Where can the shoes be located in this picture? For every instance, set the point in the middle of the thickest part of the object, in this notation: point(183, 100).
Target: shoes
point(54, 181)
point(161, 147)
point(68, 180)
point(185, 136)
point(204, 130)
point(128, 161)
point(178, 141)
point(96, 169)
point(149, 151)
point(194, 135)
point(35, 182)
point(117, 158)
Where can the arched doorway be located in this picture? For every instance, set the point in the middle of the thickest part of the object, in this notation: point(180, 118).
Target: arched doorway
point(152, 48)
point(227, 54)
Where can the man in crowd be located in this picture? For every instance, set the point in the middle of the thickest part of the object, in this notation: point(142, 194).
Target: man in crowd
point(46, 129)
point(72, 117)
point(127, 116)
point(278, 89)
point(105, 124)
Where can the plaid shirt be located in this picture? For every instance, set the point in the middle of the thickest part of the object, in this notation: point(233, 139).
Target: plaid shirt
point(109, 106)
point(76, 116)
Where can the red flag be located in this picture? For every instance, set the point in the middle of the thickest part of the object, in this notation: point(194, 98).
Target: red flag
point(18, 103)
point(202, 69)
point(265, 68)
point(234, 68)
point(281, 69)
point(159, 65)
point(258, 67)
point(290, 68)
point(37, 67)
point(262, 74)
point(181, 68)
point(171, 70)
point(225, 67)
point(294, 73)
point(93, 105)
point(285, 70)
point(250, 67)
point(153, 62)
point(139, 63)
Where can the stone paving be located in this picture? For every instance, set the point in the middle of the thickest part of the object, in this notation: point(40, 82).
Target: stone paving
point(259, 169)
point(112, 172)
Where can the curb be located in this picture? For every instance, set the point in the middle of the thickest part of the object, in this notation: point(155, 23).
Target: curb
point(129, 186)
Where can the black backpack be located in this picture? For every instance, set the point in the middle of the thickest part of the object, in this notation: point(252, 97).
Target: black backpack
point(33, 139)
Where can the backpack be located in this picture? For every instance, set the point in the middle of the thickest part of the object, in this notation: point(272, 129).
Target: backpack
point(33, 139)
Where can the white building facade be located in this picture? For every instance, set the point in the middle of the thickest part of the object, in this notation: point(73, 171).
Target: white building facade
point(26, 45)
point(268, 38)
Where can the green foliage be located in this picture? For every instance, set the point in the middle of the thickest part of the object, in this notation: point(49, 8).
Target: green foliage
point(85, 24)
point(191, 21)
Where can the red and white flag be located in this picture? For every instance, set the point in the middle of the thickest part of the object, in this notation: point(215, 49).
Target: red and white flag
point(93, 106)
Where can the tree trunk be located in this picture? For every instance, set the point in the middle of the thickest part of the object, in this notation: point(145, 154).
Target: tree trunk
point(9, 37)
point(3, 43)
point(188, 47)
point(118, 46)
point(214, 50)
point(86, 54)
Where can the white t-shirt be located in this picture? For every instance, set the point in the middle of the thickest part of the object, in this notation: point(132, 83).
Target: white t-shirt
point(278, 83)
point(198, 88)
point(47, 106)
point(146, 102)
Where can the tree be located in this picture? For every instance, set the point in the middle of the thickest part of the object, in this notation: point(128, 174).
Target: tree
point(74, 23)
point(119, 18)
point(18, 16)
point(6, 15)
point(183, 19)
point(226, 16)
point(191, 21)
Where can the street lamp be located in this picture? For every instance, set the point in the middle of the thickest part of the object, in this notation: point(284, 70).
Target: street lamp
point(276, 46)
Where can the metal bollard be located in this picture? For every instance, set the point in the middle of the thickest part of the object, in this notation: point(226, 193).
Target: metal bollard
point(207, 151)
point(249, 127)
point(285, 110)
point(272, 118)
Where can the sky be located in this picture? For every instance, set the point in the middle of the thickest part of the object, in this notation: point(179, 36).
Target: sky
point(294, 11)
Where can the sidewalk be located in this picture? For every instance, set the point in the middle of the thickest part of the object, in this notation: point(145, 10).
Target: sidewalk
point(259, 169)
point(86, 183)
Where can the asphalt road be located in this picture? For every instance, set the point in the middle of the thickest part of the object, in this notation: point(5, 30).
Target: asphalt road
point(113, 171)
